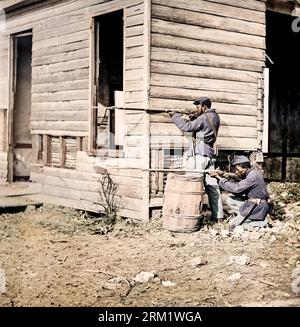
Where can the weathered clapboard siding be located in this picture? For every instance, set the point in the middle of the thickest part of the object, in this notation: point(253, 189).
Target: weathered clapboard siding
point(3, 167)
point(134, 80)
point(200, 60)
point(61, 91)
point(222, 108)
point(212, 48)
point(252, 11)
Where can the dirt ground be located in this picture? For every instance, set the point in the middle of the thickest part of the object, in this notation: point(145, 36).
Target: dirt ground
point(55, 256)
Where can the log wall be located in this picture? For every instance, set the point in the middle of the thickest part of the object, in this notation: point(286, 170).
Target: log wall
point(210, 48)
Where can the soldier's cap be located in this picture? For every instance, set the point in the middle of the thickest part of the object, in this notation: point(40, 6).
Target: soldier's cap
point(203, 100)
point(239, 160)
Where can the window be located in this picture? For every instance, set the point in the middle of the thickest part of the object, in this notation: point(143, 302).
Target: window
point(108, 81)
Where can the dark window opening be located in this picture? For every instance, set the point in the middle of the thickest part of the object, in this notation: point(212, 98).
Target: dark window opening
point(109, 79)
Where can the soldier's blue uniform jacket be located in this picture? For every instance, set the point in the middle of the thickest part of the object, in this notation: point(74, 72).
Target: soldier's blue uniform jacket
point(205, 137)
point(253, 186)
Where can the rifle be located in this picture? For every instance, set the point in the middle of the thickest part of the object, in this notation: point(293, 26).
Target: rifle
point(192, 113)
point(227, 175)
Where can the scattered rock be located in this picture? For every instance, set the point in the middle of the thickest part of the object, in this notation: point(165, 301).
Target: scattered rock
point(144, 276)
point(272, 239)
point(238, 231)
point(294, 260)
point(167, 283)
point(296, 273)
point(213, 232)
point(224, 233)
point(255, 235)
point(197, 262)
point(235, 277)
point(240, 260)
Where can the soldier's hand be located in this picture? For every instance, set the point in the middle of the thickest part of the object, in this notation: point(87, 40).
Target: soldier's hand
point(170, 112)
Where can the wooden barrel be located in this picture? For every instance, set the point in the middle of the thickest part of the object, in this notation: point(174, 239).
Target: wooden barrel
point(183, 200)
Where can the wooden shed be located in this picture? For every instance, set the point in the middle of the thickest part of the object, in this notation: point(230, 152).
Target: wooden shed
point(65, 66)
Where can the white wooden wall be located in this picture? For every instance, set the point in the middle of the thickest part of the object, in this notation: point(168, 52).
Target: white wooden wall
point(212, 48)
point(60, 95)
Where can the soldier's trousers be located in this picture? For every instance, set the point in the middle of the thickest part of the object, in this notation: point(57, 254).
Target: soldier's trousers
point(211, 185)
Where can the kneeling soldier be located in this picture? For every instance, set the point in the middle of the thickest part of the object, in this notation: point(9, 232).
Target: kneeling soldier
point(250, 200)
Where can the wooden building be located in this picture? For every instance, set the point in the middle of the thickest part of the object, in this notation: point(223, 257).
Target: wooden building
point(64, 64)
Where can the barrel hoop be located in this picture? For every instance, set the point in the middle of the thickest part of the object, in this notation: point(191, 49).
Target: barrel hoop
point(184, 192)
point(180, 216)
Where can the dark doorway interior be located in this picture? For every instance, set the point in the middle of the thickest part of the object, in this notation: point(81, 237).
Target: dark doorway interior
point(284, 89)
point(22, 143)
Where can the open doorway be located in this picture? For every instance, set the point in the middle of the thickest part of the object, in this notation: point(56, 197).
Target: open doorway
point(109, 76)
point(284, 92)
point(21, 141)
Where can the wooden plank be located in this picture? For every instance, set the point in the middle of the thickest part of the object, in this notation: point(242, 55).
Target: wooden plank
point(237, 143)
point(189, 94)
point(84, 189)
point(60, 67)
point(205, 59)
point(180, 43)
point(134, 30)
point(207, 33)
point(57, 115)
point(68, 95)
point(220, 8)
point(229, 120)
point(60, 49)
point(134, 86)
point(65, 10)
point(134, 75)
point(60, 57)
point(61, 105)
point(135, 20)
point(64, 39)
point(222, 108)
point(118, 163)
point(249, 4)
point(169, 129)
point(47, 126)
point(138, 215)
point(73, 75)
point(134, 41)
point(203, 71)
point(135, 9)
point(207, 20)
point(133, 96)
point(54, 32)
point(134, 63)
point(60, 86)
point(134, 52)
point(93, 177)
point(59, 133)
point(203, 83)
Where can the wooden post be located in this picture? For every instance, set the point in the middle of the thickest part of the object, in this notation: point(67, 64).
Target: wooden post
point(146, 119)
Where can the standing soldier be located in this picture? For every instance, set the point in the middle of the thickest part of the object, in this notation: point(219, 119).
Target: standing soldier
point(204, 126)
